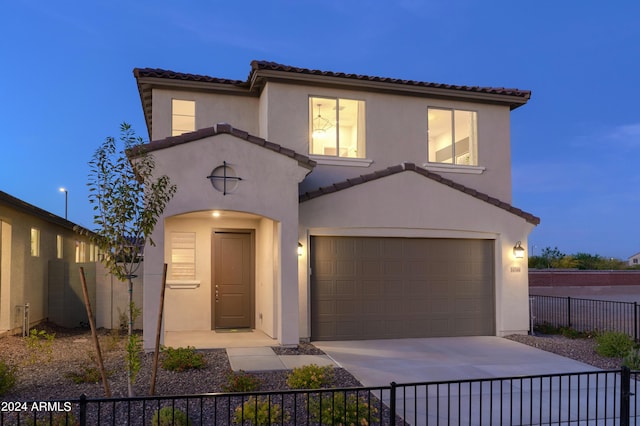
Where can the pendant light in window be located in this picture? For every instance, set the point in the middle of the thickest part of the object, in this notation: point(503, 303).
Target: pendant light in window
point(320, 125)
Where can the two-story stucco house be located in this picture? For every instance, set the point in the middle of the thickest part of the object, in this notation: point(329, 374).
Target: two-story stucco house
point(327, 206)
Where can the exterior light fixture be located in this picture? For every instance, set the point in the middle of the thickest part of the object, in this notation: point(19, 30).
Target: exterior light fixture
point(518, 251)
point(215, 214)
point(299, 249)
point(66, 202)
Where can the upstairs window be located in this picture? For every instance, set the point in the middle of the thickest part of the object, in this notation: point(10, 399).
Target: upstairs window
point(336, 127)
point(183, 116)
point(453, 136)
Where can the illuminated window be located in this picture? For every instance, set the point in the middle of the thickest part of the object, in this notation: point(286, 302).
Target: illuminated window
point(59, 245)
point(183, 255)
point(81, 252)
point(336, 127)
point(183, 116)
point(35, 242)
point(453, 136)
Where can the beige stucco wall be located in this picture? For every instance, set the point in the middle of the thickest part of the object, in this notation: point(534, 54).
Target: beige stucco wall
point(112, 299)
point(28, 279)
point(240, 111)
point(396, 129)
point(410, 205)
point(269, 190)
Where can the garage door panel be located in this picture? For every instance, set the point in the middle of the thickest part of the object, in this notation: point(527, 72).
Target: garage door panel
point(370, 268)
point(400, 287)
point(391, 268)
point(325, 267)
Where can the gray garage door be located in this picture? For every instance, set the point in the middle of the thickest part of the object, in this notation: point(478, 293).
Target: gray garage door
point(382, 288)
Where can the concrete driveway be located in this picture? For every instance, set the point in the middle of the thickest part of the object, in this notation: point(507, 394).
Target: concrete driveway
point(380, 362)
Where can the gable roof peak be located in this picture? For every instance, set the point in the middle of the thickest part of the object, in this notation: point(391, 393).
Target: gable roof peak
point(411, 167)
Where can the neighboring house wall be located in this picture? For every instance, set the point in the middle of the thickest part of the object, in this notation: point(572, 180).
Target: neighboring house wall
point(573, 278)
point(634, 260)
point(50, 285)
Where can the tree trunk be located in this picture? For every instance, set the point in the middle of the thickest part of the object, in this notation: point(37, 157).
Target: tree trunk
point(156, 352)
point(129, 334)
point(96, 342)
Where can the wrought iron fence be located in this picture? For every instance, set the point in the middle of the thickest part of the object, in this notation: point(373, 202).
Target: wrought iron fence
point(585, 315)
point(590, 398)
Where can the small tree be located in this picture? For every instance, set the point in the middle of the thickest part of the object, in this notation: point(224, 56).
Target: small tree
point(127, 200)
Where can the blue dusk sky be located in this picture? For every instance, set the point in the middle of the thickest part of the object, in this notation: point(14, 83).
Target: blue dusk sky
point(66, 83)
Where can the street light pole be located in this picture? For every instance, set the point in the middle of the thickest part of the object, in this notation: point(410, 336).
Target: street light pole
point(66, 202)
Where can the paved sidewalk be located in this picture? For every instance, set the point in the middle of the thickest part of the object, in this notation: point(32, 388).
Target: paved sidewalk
point(265, 359)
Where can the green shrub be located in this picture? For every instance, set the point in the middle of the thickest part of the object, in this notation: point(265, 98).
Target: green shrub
point(181, 359)
point(39, 342)
point(632, 359)
point(258, 411)
point(340, 409)
point(242, 382)
point(613, 344)
point(7, 377)
point(168, 416)
point(88, 374)
point(310, 377)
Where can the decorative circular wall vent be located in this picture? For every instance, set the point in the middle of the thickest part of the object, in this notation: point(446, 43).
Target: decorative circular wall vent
point(224, 179)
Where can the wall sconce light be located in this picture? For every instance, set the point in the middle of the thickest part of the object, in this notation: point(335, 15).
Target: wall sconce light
point(299, 249)
point(518, 251)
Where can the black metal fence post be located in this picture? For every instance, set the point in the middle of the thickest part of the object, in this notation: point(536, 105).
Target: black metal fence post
point(635, 321)
point(83, 410)
point(625, 393)
point(568, 312)
point(392, 404)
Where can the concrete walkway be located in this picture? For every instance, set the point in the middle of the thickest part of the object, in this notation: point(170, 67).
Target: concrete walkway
point(265, 359)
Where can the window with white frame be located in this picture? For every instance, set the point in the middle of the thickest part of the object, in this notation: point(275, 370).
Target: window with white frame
point(337, 127)
point(59, 246)
point(183, 116)
point(453, 136)
point(35, 242)
point(183, 255)
point(81, 252)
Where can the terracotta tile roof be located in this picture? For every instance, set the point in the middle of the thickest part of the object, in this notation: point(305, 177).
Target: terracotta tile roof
point(223, 128)
point(172, 75)
point(272, 66)
point(426, 173)
point(262, 71)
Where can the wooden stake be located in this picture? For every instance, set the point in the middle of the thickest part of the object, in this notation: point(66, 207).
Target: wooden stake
point(156, 353)
point(96, 342)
